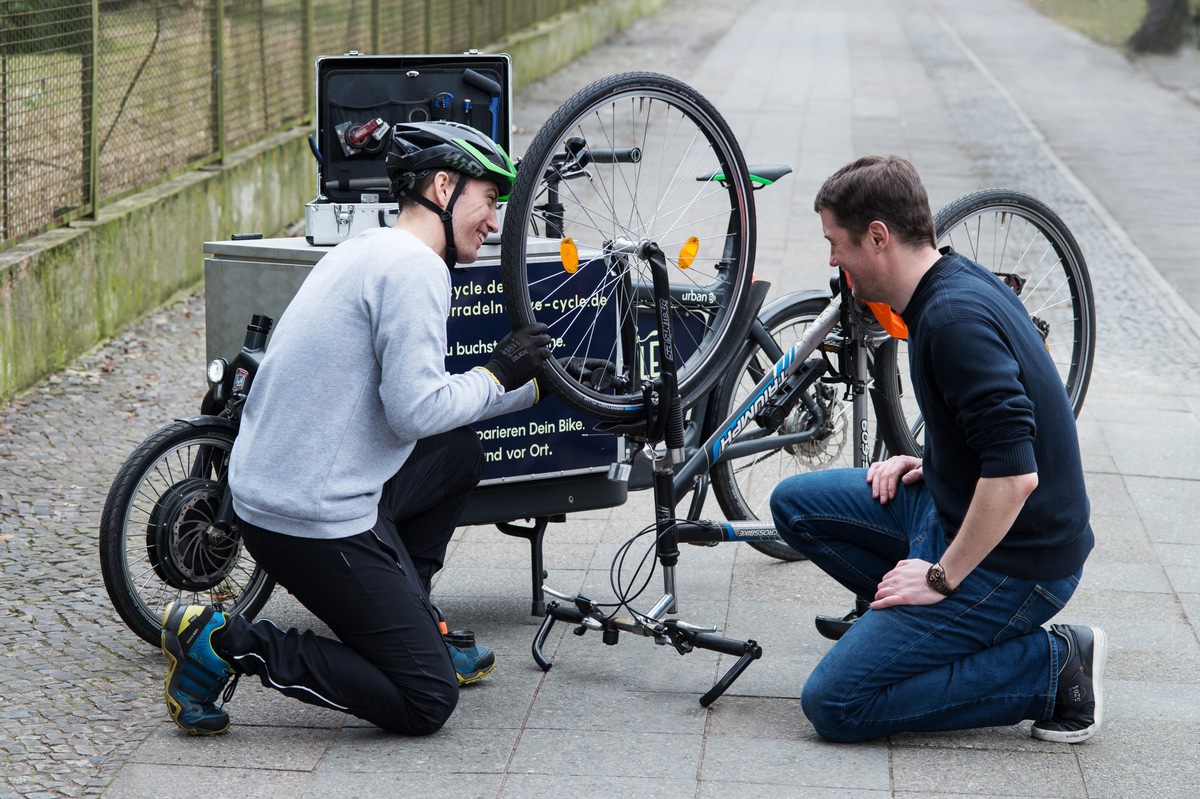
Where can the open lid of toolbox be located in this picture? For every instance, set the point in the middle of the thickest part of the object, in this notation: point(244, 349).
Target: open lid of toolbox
point(360, 97)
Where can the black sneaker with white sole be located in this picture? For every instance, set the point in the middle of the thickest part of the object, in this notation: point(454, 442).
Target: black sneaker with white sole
point(1079, 703)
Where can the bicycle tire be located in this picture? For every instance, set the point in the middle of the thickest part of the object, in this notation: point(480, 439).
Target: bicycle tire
point(153, 546)
point(743, 487)
point(1010, 232)
point(661, 166)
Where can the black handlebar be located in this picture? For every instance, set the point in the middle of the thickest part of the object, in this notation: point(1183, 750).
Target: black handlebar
point(623, 155)
point(683, 637)
point(257, 331)
point(577, 155)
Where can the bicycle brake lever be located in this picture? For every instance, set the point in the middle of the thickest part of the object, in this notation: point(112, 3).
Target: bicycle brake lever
point(558, 595)
point(586, 607)
point(694, 628)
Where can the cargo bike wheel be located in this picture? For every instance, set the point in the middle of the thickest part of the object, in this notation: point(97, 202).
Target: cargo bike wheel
point(158, 543)
point(631, 160)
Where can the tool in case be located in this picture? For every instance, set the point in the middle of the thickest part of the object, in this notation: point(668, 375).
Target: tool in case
point(360, 98)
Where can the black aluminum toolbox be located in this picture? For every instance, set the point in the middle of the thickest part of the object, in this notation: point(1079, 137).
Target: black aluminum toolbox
point(360, 97)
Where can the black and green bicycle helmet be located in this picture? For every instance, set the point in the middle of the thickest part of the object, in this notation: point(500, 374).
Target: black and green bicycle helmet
point(420, 148)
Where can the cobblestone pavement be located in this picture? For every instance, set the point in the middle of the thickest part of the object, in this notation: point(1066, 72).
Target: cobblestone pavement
point(75, 688)
point(79, 694)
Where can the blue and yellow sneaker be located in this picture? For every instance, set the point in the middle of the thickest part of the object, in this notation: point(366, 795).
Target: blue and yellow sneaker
point(197, 674)
point(471, 663)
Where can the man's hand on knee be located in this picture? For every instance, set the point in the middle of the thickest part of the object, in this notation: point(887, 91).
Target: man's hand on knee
point(885, 477)
point(906, 584)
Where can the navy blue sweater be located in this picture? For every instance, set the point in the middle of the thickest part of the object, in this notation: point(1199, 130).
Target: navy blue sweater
point(994, 406)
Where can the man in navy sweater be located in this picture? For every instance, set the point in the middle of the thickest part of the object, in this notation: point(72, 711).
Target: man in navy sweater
point(963, 554)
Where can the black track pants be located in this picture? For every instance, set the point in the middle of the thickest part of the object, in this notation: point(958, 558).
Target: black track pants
point(390, 666)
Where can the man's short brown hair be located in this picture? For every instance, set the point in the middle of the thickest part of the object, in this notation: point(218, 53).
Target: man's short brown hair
point(886, 188)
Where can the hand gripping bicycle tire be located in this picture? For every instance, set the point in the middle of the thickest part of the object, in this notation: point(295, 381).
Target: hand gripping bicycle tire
point(633, 159)
point(156, 541)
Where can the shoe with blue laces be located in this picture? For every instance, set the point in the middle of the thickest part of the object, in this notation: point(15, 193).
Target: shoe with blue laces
point(197, 675)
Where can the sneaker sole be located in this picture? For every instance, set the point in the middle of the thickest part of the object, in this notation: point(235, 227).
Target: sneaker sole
point(175, 656)
point(1099, 656)
point(477, 676)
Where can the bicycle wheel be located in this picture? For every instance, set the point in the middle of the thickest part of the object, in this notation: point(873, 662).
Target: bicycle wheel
point(743, 485)
point(631, 160)
point(156, 541)
point(1020, 239)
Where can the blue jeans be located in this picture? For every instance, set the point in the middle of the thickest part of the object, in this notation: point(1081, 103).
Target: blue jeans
point(978, 658)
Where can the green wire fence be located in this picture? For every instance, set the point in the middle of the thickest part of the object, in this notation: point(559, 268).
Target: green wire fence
point(102, 98)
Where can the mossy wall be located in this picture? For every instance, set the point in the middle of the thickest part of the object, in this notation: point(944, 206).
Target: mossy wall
point(66, 291)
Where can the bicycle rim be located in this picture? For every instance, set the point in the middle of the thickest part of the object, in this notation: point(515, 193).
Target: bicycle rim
point(631, 159)
point(1011, 233)
point(156, 546)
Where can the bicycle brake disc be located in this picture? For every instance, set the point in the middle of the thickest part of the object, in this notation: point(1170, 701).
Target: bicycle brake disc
point(827, 446)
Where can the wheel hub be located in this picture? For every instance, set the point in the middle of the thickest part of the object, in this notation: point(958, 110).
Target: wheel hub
point(187, 551)
point(828, 444)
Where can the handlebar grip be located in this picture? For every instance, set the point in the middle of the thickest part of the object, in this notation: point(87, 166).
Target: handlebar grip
point(736, 671)
point(554, 612)
point(257, 331)
point(726, 646)
point(540, 639)
point(620, 155)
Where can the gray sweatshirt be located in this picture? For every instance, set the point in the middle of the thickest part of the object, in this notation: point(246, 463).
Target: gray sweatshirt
point(355, 374)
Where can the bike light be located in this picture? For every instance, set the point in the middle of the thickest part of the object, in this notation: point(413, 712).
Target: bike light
point(216, 370)
point(687, 253)
point(570, 255)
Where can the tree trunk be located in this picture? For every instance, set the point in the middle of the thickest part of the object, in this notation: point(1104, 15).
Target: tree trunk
point(1163, 28)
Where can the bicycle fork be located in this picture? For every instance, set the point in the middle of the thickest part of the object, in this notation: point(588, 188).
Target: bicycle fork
point(664, 421)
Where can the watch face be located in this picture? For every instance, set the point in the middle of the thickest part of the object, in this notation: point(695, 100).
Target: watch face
point(936, 577)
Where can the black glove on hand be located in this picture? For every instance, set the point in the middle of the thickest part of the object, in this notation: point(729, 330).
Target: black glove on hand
point(517, 357)
point(595, 373)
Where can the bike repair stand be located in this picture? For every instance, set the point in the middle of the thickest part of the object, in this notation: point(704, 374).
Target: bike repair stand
point(664, 422)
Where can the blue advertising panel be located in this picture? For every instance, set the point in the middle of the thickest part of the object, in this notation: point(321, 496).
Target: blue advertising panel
point(549, 438)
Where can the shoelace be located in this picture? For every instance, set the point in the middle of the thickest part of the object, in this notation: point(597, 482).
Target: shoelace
point(227, 694)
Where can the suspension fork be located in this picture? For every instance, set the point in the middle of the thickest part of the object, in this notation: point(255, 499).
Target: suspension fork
point(667, 543)
point(857, 376)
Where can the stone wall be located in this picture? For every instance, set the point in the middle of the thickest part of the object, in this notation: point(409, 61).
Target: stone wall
point(66, 291)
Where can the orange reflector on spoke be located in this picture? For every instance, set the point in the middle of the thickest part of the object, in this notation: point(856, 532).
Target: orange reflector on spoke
point(687, 253)
point(570, 255)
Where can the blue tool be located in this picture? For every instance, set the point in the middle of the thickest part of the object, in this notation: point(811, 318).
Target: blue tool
point(441, 105)
point(493, 89)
